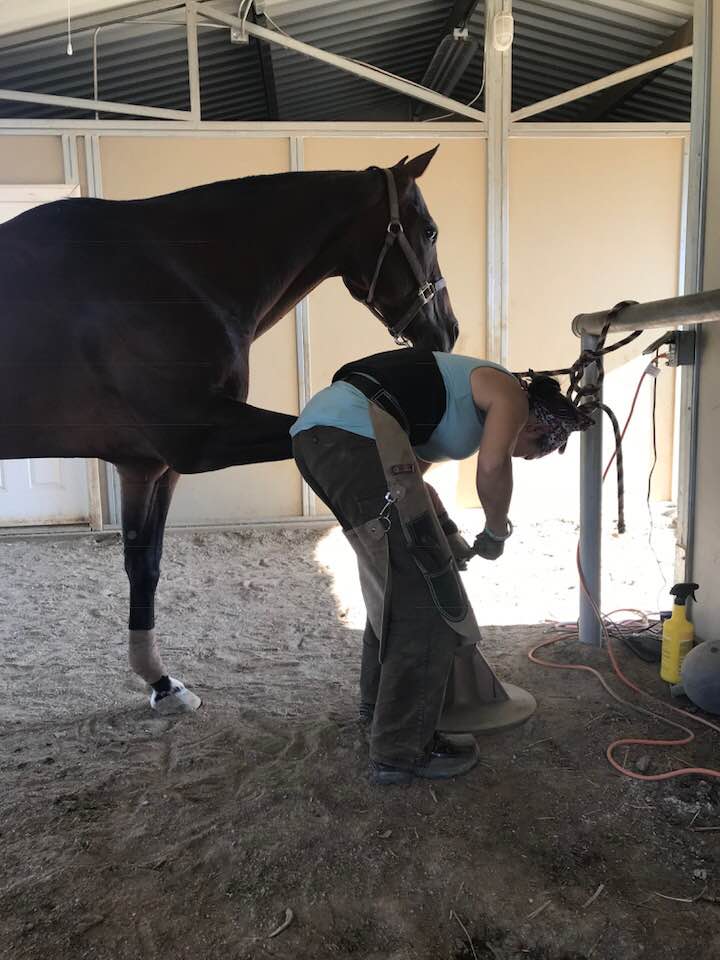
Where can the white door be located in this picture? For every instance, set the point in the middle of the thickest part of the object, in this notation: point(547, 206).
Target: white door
point(40, 491)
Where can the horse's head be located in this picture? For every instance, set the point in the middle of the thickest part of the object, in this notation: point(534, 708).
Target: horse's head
point(393, 265)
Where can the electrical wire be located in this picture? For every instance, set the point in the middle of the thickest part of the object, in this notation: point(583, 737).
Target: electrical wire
point(276, 26)
point(244, 15)
point(565, 631)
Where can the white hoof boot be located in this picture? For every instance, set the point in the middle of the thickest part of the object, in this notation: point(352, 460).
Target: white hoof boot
point(178, 699)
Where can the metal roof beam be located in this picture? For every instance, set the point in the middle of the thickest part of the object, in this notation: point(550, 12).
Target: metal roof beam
point(639, 69)
point(617, 95)
point(101, 106)
point(373, 74)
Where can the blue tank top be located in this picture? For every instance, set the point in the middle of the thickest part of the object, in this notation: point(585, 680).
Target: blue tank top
point(457, 435)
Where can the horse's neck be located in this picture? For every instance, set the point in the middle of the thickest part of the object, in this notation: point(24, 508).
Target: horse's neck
point(298, 228)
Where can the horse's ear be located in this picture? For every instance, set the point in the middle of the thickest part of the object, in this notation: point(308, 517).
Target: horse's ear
point(418, 165)
point(401, 162)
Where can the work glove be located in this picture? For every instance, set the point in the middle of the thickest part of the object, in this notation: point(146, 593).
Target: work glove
point(461, 549)
point(489, 547)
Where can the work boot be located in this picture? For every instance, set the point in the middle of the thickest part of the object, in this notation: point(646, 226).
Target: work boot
point(447, 757)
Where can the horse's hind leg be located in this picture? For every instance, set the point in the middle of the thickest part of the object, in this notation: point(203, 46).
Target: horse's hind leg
point(147, 491)
point(236, 433)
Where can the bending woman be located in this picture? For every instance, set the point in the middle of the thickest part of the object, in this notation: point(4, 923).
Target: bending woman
point(449, 407)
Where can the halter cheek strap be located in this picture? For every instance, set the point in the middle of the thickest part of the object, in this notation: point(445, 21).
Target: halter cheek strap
point(426, 288)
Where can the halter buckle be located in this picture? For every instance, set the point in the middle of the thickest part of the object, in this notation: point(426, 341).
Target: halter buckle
point(395, 227)
point(426, 292)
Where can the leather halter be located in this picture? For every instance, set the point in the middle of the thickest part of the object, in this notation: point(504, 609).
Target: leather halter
point(426, 288)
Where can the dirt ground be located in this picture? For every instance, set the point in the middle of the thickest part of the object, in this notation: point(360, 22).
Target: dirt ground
point(127, 836)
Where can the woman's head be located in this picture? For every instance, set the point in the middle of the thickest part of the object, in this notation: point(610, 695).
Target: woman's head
point(552, 418)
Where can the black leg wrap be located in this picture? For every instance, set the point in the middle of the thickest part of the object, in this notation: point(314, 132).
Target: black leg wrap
point(162, 685)
point(142, 615)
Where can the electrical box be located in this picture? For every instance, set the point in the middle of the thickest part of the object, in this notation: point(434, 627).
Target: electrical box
point(680, 346)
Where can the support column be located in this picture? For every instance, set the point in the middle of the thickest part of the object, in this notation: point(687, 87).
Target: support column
point(498, 104)
point(193, 60)
point(591, 512)
point(302, 338)
point(692, 283)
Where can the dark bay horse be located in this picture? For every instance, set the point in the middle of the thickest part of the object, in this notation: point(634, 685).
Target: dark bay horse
point(125, 330)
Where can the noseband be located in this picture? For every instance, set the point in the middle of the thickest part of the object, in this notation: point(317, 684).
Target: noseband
point(426, 288)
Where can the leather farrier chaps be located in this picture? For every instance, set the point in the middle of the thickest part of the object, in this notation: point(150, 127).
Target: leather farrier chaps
point(408, 502)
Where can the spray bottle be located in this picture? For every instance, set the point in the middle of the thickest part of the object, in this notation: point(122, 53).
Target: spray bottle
point(678, 634)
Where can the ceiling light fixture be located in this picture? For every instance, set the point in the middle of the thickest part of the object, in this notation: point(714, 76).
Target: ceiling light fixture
point(449, 63)
point(69, 48)
point(503, 31)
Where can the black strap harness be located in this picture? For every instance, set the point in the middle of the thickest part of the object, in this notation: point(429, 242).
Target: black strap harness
point(426, 288)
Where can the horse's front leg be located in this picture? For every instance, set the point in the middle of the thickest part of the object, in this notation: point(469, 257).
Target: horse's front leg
point(147, 491)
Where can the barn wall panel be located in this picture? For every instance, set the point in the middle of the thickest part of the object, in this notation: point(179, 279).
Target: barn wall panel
point(31, 159)
point(593, 222)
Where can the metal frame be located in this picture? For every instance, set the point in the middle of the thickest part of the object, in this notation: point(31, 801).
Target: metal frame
point(253, 128)
point(498, 64)
point(209, 12)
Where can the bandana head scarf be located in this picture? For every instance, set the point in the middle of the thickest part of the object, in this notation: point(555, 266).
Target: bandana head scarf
point(559, 417)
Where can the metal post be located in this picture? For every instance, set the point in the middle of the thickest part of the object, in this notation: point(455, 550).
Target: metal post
point(693, 281)
point(498, 99)
point(193, 59)
point(302, 339)
point(590, 512)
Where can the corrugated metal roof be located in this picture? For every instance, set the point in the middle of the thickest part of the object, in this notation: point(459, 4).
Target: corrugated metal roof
point(558, 44)
point(399, 36)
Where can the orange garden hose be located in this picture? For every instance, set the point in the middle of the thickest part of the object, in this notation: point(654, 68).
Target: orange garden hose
point(603, 620)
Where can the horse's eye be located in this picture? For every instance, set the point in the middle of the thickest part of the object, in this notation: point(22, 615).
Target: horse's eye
point(431, 234)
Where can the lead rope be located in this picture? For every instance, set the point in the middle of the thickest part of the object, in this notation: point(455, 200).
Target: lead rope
point(586, 399)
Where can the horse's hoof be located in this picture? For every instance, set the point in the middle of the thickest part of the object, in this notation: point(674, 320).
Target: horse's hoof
point(178, 699)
